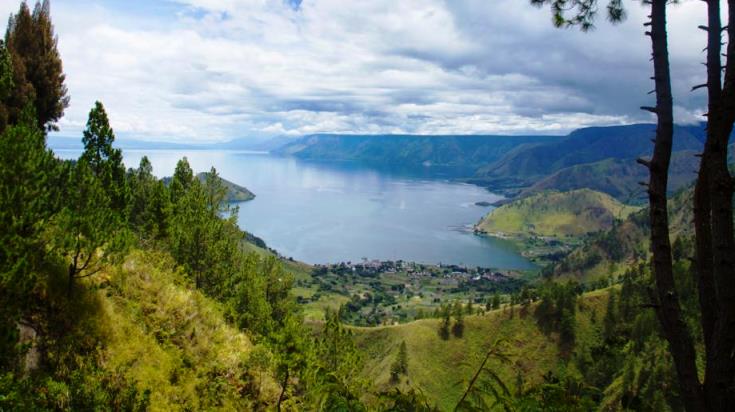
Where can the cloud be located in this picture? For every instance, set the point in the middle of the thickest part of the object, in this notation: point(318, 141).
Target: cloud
point(210, 70)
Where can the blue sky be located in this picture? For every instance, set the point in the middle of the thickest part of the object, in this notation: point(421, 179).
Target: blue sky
point(214, 70)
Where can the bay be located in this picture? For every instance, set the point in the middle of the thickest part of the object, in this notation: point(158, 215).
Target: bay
point(338, 212)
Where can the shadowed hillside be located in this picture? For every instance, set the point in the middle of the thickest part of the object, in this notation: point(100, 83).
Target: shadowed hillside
point(619, 178)
point(526, 165)
point(465, 152)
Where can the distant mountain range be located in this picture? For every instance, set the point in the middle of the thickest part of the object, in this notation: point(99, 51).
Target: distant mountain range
point(251, 143)
point(582, 146)
point(418, 150)
point(599, 158)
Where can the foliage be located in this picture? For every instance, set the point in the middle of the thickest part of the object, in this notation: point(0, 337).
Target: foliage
point(486, 390)
point(26, 204)
point(458, 327)
point(556, 311)
point(37, 70)
point(86, 231)
point(400, 365)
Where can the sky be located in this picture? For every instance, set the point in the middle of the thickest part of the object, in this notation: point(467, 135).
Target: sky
point(215, 70)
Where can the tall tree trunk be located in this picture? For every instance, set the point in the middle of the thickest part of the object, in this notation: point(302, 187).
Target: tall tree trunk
point(714, 218)
point(668, 309)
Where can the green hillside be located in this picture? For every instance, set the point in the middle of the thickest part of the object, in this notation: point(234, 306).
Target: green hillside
point(235, 192)
point(618, 178)
point(441, 368)
point(141, 336)
point(526, 165)
point(612, 251)
point(555, 214)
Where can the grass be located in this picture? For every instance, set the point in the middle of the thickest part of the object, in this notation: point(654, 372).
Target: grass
point(167, 339)
point(556, 214)
point(440, 368)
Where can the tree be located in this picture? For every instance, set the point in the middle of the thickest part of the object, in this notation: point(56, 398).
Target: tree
point(469, 309)
point(182, 180)
point(26, 202)
point(146, 209)
point(486, 383)
point(400, 365)
point(6, 83)
point(713, 205)
point(446, 314)
point(37, 70)
point(337, 383)
point(86, 232)
point(458, 327)
point(291, 355)
point(104, 160)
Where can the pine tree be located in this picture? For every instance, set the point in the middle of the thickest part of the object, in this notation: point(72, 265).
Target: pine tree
point(86, 232)
point(182, 180)
point(400, 365)
point(458, 327)
point(37, 68)
point(6, 84)
point(26, 202)
point(496, 301)
point(104, 160)
point(446, 314)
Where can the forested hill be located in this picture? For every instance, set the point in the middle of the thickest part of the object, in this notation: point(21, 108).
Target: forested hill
point(235, 193)
point(449, 150)
point(529, 164)
point(617, 177)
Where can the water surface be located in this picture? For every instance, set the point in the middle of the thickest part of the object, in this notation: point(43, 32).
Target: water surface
point(327, 212)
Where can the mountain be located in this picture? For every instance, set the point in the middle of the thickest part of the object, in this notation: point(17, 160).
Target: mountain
point(250, 143)
point(617, 177)
point(466, 152)
point(526, 165)
point(75, 143)
point(625, 243)
point(235, 192)
point(263, 144)
point(555, 214)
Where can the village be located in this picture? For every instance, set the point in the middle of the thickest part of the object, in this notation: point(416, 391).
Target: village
point(373, 292)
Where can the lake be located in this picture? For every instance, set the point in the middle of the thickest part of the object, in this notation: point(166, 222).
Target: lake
point(338, 212)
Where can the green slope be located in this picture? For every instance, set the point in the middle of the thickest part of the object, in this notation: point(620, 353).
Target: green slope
point(155, 338)
point(526, 165)
point(555, 214)
point(617, 177)
point(235, 192)
point(610, 252)
point(440, 368)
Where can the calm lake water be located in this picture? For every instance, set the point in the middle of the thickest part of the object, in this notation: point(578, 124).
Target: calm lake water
point(327, 212)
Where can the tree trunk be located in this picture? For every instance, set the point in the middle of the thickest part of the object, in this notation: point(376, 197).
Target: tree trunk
point(714, 221)
point(668, 308)
point(283, 391)
point(70, 282)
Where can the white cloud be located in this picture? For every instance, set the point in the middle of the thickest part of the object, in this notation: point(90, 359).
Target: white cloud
point(219, 69)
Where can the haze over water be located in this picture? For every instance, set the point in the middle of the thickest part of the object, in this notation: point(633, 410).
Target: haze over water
point(328, 213)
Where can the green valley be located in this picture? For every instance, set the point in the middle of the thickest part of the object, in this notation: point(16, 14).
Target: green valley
point(603, 281)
